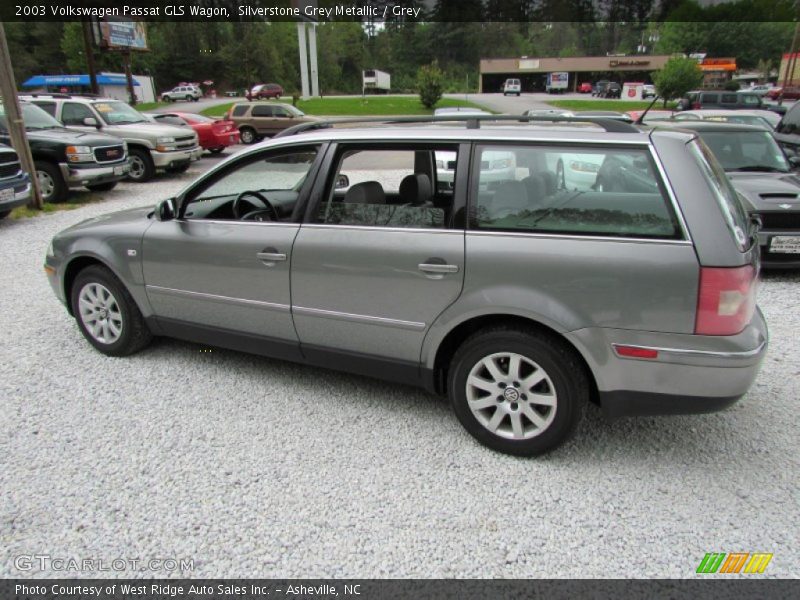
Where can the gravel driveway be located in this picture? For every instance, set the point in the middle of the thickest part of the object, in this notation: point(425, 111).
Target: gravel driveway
point(255, 467)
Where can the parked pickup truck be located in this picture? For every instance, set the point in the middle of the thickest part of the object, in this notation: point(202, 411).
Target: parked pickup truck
point(152, 146)
point(15, 185)
point(66, 158)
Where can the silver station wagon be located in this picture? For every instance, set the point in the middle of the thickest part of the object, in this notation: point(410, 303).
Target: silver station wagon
point(522, 300)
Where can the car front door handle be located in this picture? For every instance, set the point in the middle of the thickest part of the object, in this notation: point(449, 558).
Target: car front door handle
point(437, 268)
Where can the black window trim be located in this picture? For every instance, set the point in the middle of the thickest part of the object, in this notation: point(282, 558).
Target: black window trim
point(667, 196)
point(336, 148)
point(210, 178)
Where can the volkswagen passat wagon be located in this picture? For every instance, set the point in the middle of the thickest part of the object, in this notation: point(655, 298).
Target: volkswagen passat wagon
point(522, 301)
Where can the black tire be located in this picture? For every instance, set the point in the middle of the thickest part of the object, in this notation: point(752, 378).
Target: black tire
point(4, 214)
point(102, 187)
point(51, 183)
point(189, 98)
point(134, 333)
point(566, 380)
point(142, 167)
point(179, 169)
point(248, 135)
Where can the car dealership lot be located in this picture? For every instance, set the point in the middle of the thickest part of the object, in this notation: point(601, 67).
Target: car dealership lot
point(255, 467)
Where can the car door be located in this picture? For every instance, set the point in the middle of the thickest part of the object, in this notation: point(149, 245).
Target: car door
point(211, 276)
point(370, 277)
point(74, 113)
point(262, 118)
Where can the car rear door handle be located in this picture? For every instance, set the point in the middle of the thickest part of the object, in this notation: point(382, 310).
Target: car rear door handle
point(437, 268)
point(269, 256)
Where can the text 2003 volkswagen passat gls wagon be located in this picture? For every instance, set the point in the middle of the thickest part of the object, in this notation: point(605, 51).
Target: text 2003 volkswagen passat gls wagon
point(522, 298)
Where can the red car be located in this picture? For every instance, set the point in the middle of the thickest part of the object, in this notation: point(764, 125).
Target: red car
point(265, 91)
point(214, 134)
point(585, 88)
point(788, 93)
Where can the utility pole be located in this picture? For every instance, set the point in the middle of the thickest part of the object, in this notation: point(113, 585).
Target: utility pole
point(16, 126)
point(791, 61)
point(88, 51)
point(126, 60)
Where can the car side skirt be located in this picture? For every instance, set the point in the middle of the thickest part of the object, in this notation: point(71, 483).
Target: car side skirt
point(350, 362)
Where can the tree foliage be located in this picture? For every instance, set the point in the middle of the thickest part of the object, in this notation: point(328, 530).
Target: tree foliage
point(677, 77)
point(429, 84)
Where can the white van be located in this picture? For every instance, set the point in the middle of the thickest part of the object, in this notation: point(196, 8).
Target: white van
point(512, 86)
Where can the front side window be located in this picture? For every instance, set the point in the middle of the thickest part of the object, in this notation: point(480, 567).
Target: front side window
point(570, 190)
point(264, 188)
point(118, 113)
point(403, 187)
point(263, 111)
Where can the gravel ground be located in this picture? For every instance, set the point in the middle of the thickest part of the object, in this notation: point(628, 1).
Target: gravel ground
point(254, 467)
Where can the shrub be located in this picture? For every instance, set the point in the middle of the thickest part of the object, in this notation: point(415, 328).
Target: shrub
point(430, 82)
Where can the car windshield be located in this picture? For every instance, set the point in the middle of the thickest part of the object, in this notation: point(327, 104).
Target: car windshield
point(34, 117)
point(118, 113)
point(746, 151)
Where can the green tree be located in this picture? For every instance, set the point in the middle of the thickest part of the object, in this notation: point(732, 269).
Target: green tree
point(429, 83)
point(677, 77)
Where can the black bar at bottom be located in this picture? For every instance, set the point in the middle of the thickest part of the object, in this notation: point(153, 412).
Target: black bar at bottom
point(744, 587)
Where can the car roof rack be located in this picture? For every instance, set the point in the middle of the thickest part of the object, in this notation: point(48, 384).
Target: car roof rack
point(611, 125)
point(61, 95)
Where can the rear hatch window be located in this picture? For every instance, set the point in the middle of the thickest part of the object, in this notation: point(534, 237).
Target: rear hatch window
point(727, 198)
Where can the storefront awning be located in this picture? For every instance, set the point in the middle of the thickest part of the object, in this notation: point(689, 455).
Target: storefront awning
point(45, 80)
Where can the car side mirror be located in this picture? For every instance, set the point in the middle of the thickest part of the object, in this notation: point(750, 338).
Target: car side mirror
point(91, 122)
point(342, 181)
point(166, 210)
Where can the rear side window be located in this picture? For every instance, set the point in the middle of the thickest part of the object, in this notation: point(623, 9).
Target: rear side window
point(710, 98)
point(240, 110)
point(729, 98)
point(728, 200)
point(570, 190)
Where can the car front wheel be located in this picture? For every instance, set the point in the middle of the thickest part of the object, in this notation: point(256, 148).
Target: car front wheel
point(51, 184)
point(142, 167)
point(107, 314)
point(518, 392)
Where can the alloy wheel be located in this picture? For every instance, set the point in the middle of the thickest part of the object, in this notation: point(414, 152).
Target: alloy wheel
point(511, 396)
point(100, 313)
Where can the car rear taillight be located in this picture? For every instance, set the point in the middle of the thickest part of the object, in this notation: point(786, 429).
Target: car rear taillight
point(696, 106)
point(726, 300)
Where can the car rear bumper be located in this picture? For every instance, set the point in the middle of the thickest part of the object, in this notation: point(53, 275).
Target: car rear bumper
point(79, 176)
point(691, 374)
point(219, 140)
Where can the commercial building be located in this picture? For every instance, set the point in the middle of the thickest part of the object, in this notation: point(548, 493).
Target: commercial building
point(532, 72)
point(112, 85)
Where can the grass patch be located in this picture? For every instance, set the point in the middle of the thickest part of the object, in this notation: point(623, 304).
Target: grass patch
point(26, 212)
point(358, 106)
point(617, 105)
point(145, 106)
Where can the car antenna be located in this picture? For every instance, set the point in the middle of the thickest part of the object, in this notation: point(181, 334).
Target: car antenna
point(640, 120)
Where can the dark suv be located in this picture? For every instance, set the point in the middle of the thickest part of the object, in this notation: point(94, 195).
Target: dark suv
point(66, 158)
point(15, 185)
point(720, 99)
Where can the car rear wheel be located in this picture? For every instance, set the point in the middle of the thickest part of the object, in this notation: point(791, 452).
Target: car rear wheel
point(247, 135)
point(4, 214)
point(102, 187)
point(518, 392)
point(106, 313)
point(51, 184)
point(142, 167)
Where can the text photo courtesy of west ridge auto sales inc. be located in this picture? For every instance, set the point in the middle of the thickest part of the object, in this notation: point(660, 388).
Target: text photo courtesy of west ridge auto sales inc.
point(399, 299)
